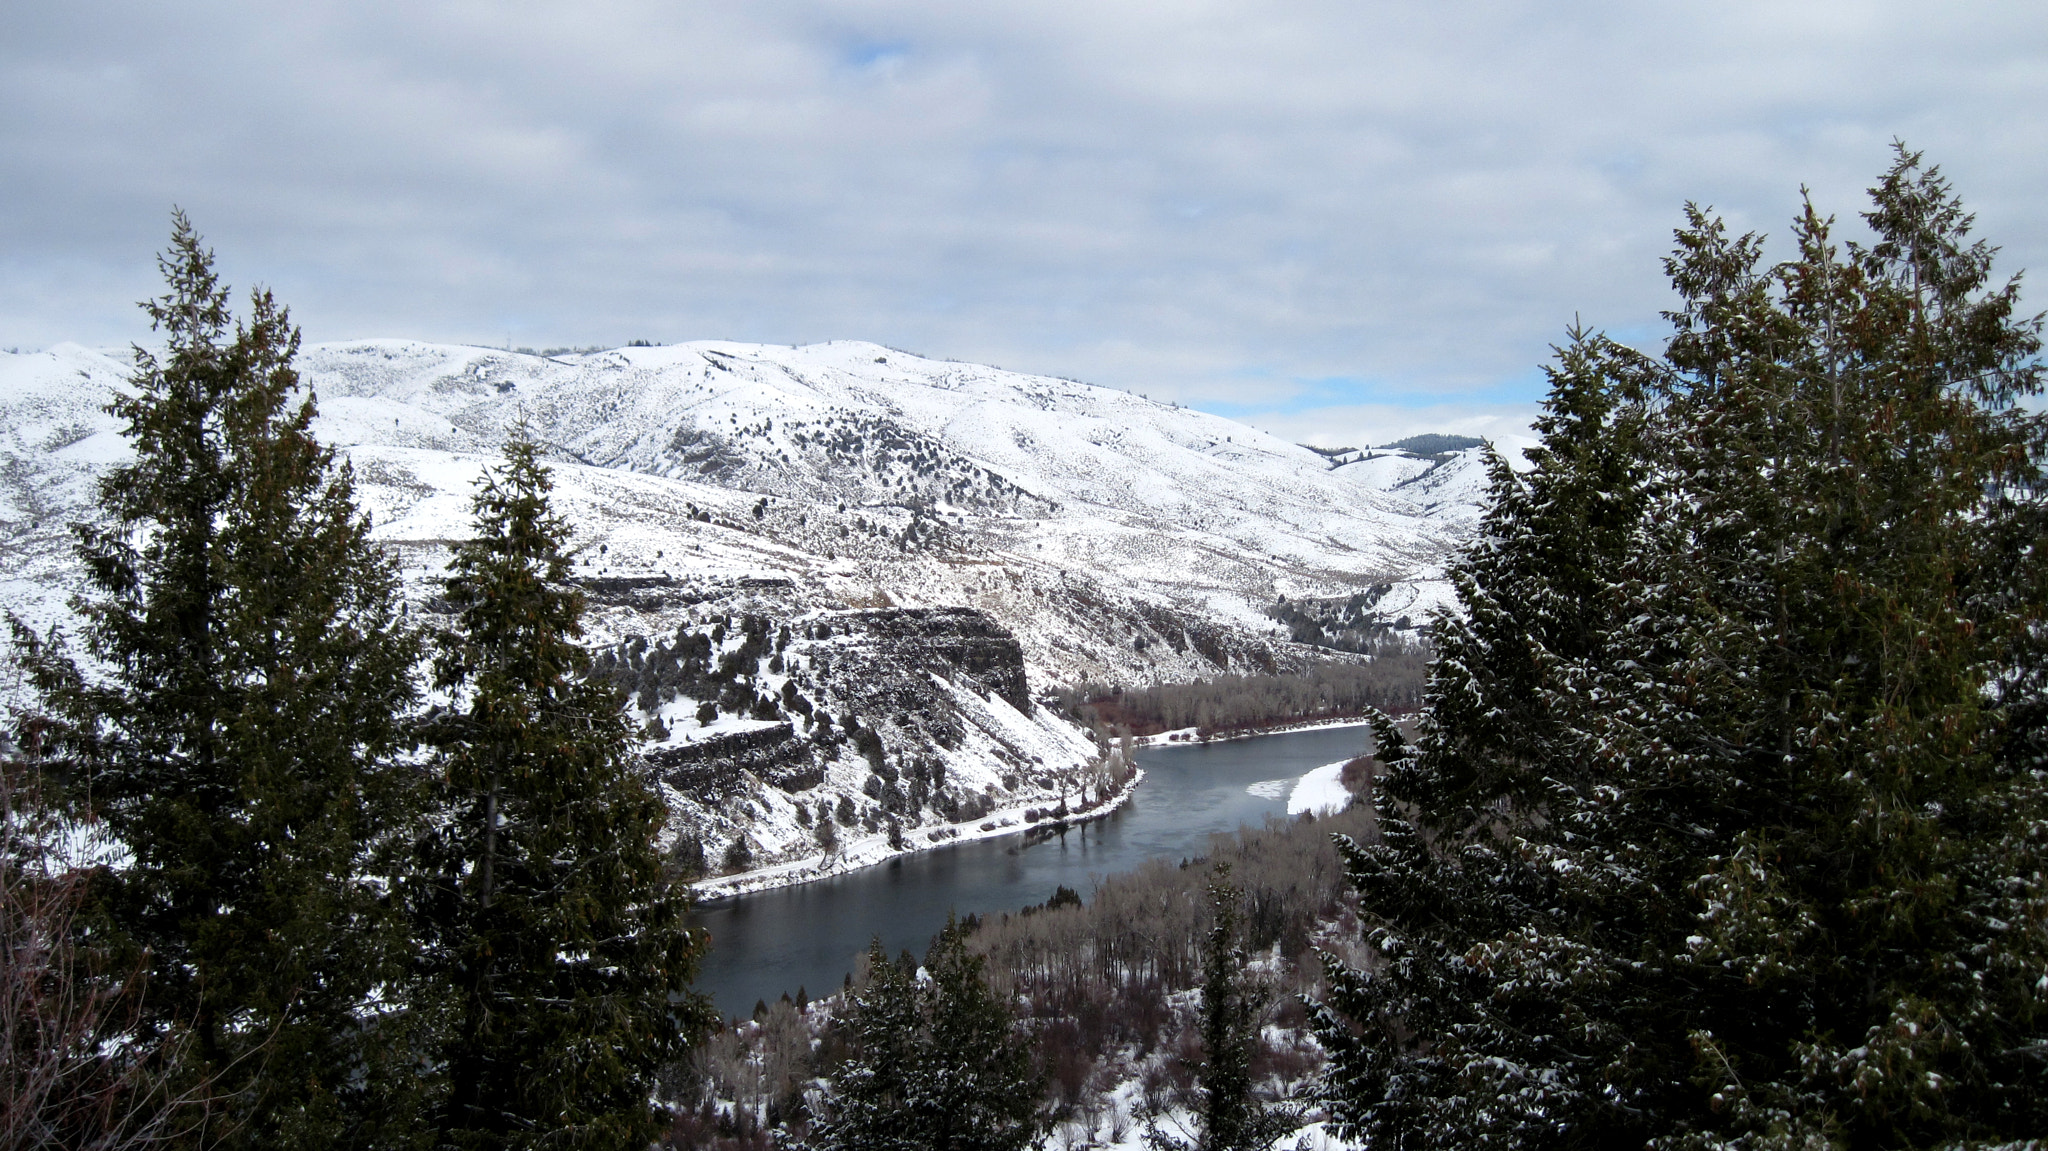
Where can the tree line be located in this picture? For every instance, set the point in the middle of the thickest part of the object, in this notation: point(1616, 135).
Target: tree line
point(1150, 978)
point(1391, 680)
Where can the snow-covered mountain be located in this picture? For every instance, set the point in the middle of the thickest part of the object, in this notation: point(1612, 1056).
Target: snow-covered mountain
point(734, 487)
point(871, 474)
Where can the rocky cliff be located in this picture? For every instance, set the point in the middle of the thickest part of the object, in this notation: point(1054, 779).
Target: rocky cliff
point(788, 727)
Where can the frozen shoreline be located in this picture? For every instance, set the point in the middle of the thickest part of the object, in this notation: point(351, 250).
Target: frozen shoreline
point(1321, 791)
point(1187, 734)
point(868, 850)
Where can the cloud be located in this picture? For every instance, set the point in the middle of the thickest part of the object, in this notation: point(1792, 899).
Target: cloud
point(1252, 207)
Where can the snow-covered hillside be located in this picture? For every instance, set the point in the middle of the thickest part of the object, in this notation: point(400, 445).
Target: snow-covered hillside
point(1070, 512)
point(719, 486)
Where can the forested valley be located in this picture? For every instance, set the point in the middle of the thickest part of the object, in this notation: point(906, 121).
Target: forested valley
point(1721, 820)
point(1390, 680)
point(1107, 987)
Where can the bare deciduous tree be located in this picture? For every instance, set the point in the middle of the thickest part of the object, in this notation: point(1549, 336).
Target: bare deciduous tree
point(76, 1071)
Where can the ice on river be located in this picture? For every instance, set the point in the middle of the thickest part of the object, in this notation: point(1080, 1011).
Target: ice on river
point(1273, 788)
point(1320, 791)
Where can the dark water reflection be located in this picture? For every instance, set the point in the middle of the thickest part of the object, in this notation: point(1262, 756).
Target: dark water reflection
point(806, 936)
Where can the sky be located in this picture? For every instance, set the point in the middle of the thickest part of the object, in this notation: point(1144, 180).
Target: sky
point(1342, 221)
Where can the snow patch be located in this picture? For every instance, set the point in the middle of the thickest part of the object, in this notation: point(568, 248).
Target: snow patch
point(1320, 791)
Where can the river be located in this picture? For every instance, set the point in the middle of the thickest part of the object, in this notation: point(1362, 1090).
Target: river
point(805, 937)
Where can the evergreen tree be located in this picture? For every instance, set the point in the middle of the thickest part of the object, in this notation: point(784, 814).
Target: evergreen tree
point(875, 1085)
point(936, 1062)
point(1766, 867)
point(1532, 585)
point(1231, 1118)
point(552, 928)
point(238, 721)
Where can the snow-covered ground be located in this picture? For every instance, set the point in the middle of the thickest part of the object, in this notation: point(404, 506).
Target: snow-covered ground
point(1070, 512)
point(1123, 1118)
point(1124, 1133)
point(1320, 791)
point(867, 851)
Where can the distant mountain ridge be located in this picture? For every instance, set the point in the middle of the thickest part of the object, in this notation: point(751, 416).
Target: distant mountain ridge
point(847, 465)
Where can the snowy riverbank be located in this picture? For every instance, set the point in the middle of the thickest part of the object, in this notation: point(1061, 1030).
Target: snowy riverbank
point(1320, 791)
point(868, 850)
point(1191, 736)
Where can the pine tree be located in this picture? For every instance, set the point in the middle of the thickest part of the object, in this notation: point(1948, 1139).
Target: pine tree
point(1231, 1117)
point(873, 1086)
point(1768, 867)
point(551, 926)
point(1532, 584)
point(238, 723)
point(936, 1062)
